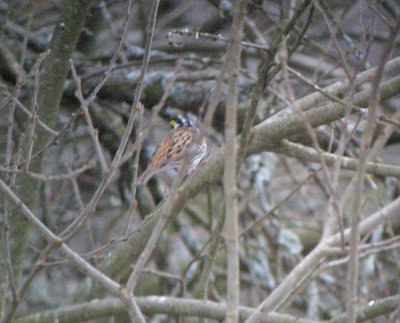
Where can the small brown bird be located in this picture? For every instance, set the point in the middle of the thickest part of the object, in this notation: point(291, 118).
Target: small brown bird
point(171, 152)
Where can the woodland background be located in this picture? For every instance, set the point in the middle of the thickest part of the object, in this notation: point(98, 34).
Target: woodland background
point(295, 215)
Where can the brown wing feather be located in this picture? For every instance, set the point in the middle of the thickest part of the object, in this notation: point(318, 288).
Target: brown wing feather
point(172, 148)
point(180, 141)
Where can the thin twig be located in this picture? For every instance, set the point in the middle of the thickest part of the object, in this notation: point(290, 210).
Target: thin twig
point(115, 56)
point(278, 204)
point(364, 251)
point(47, 177)
point(164, 216)
point(141, 134)
point(92, 131)
point(35, 109)
point(75, 187)
point(321, 6)
point(315, 143)
point(39, 121)
point(80, 263)
point(75, 226)
point(57, 136)
point(265, 75)
point(11, 178)
point(351, 302)
point(125, 137)
point(318, 89)
point(202, 289)
point(197, 35)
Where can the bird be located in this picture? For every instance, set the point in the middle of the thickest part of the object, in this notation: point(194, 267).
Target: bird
point(183, 140)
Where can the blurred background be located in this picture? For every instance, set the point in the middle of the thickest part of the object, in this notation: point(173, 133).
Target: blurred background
point(283, 201)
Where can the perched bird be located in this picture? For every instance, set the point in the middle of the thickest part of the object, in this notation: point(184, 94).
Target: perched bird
point(183, 140)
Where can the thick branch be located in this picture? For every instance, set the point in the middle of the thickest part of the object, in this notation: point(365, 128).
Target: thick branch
point(52, 79)
point(267, 136)
point(98, 309)
point(305, 153)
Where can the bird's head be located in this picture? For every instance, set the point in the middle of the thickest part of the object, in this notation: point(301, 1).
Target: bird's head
point(180, 121)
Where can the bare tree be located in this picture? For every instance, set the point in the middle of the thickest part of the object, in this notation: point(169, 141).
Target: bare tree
point(291, 215)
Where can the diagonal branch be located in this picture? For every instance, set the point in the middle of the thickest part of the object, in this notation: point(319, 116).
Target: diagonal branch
point(267, 136)
point(265, 74)
point(366, 140)
point(80, 263)
point(315, 257)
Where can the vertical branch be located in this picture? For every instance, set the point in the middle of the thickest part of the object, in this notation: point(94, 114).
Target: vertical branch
point(141, 134)
point(74, 227)
point(35, 109)
point(359, 176)
point(92, 131)
point(51, 84)
point(265, 74)
point(6, 263)
point(16, 297)
point(11, 183)
point(143, 259)
point(202, 290)
point(139, 86)
point(85, 267)
point(230, 166)
point(115, 56)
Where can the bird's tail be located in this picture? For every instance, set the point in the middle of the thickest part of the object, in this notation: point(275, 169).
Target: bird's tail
point(144, 178)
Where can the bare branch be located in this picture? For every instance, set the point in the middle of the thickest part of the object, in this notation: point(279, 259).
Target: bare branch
point(233, 57)
point(366, 140)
